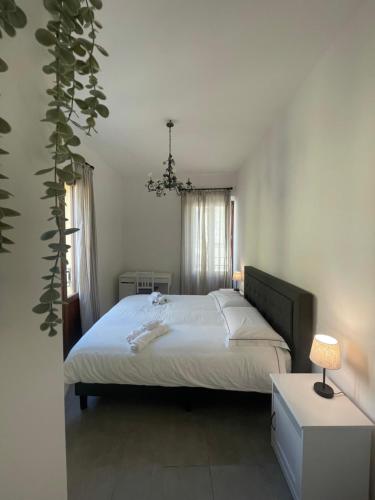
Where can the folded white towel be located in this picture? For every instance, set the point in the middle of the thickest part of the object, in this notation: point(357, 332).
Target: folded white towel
point(157, 298)
point(144, 328)
point(148, 336)
point(161, 300)
point(154, 296)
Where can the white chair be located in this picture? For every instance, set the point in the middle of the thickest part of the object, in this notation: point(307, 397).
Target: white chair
point(145, 282)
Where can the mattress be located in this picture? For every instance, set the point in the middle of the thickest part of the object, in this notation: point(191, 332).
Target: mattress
point(193, 354)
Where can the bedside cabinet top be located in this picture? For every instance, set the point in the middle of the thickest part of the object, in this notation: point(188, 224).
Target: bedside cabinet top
point(311, 410)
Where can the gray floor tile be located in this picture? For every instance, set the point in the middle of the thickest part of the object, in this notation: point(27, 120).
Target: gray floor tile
point(95, 484)
point(138, 483)
point(150, 449)
point(186, 483)
point(239, 482)
point(249, 482)
point(163, 483)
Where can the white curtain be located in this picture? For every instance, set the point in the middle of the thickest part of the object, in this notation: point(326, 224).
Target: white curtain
point(85, 249)
point(206, 260)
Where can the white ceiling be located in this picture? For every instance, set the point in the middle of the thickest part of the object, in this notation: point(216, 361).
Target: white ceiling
point(220, 68)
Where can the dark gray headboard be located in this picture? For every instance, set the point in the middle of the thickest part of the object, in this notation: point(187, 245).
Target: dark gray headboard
point(287, 308)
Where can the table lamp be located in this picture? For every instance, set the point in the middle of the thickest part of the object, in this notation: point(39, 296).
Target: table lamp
point(237, 276)
point(325, 352)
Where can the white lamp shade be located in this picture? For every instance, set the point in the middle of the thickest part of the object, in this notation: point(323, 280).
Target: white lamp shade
point(237, 276)
point(325, 352)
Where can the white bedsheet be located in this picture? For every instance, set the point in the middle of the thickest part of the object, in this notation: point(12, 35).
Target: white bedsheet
point(193, 353)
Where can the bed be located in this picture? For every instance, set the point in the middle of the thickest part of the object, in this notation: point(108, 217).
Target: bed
point(195, 352)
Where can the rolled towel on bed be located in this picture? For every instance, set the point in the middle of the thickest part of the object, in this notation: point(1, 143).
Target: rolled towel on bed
point(142, 329)
point(157, 298)
point(148, 336)
point(154, 296)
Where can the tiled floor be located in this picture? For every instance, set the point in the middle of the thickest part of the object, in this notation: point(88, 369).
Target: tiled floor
point(151, 448)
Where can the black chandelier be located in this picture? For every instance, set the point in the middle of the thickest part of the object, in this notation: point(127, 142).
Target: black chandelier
point(169, 181)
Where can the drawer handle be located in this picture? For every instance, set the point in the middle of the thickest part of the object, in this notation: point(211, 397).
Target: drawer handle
point(272, 419)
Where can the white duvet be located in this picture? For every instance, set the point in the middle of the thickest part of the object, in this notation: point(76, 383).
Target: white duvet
point(194, 353)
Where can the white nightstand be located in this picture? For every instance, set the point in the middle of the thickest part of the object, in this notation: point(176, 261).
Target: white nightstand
point(323, 445)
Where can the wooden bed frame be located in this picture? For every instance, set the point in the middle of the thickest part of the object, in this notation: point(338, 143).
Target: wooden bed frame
point(288, 309)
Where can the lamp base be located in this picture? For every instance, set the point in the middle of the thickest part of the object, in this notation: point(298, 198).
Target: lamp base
point(323, 390)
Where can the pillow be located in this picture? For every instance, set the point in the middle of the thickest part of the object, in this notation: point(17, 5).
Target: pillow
point(228, 299)
point(246, 323)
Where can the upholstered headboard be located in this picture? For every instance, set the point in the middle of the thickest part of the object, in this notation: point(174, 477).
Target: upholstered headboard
point(287, 308)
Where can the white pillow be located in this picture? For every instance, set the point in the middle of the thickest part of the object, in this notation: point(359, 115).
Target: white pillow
point(246, 323)
point(228, 299)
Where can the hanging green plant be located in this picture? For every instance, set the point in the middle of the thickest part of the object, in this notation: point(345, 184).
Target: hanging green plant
point(12, 18)
point(70, 36)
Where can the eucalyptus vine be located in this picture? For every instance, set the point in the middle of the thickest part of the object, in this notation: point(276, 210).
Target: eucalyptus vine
point(76, 103)
point(12, 18)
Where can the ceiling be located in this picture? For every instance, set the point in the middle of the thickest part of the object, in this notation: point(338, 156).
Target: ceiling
point(221, 68)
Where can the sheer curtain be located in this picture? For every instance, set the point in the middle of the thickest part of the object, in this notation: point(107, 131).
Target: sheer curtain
point(206, 259)
point(85, 250)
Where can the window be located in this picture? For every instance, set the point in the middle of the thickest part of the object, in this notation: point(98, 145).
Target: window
point(69, 268)
point(206, 253)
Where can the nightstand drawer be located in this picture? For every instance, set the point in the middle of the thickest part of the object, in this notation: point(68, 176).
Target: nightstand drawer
point(287, 443)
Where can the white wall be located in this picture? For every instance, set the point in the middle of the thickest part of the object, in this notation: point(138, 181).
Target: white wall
point(32, 438)
point(153, 225)
point(307, 206)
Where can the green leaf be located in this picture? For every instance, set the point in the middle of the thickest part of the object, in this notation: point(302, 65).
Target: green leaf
point(41, 308)
point(52, 332)
point(71, 230)
point(59, 247)
point(56, 186)
point(78, 158)
point(4, 195)
point(5, 128)
point(8, 212)
point(73, 141)
point(52, 6)
point(2, 176)
point(8, 28)
point(64, 129)
point(102, 50)
point(49, 234)
point(49, 296)
point(51, 318)
point(55, 270)
point(65, 176)
point(98, 4)
point(45, 37)
point(3, 65)
point(44, 326)
point(55, 116)
point(73, 6)
point(44, 171)
point(98, 93)
point(6, 241)
point(50, 257)
point(17, 18)
point(67, 56)
point(102, 110)
point(3, 152)
point(4, 226)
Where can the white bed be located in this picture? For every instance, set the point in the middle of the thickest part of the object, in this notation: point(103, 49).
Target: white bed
point(193, 354)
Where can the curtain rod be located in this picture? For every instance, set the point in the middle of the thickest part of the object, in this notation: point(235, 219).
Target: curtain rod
point(213, 189)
